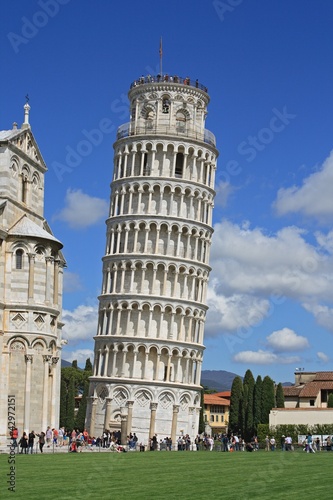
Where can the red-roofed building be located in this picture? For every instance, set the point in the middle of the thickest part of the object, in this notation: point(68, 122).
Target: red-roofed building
point(306, 400)
point(216, 413)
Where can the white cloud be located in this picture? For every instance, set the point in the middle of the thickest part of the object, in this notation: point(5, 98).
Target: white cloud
point(263, 358)
point(81, 355)
point(72, 282)
point(234, 312)
point(80, 324)
point(82, 210)
point(323, 357)
point(313, 198)
point(325, 241)
point(286, 340)
point(253, 271)
point(322, 313)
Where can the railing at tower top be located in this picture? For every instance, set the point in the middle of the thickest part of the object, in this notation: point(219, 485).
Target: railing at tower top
point(168, 79)
point(130, 129)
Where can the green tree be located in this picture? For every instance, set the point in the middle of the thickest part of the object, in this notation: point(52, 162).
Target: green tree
point(81, 414)
point(88, 367)
point(201, 416)
point(330, 401)
point(268, 399)
point(279, 396)
point(74, 363)
point(248, 423)
point(63, 403)
point(70, 421)
point(257, 403)
point(236, 399)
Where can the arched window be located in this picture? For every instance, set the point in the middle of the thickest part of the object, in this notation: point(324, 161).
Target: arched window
point(179, 165)
point(24, 188)
point(19, 259)
point(165, 105)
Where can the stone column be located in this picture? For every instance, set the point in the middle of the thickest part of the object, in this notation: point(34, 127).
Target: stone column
point(45, 423)
point(31, 257)
point(48, 260)
point(108, 410)
point(191, 424)
point(28, 360)
point(93, 415)
point(56, 282)
point(123, 429)
point(129, 417)
point(153, 408)
point(106, 362)
point(54, 397)
point(174, 426)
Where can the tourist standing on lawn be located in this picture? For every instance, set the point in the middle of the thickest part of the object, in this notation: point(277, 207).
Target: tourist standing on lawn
point(48, 436)
point(31, 439)
point(267, 443)
point(283, 442)
point(272, 443)
point(24, 443)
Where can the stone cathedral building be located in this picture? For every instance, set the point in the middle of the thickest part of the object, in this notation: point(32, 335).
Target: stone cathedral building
point(152, 307)
point(31, 269)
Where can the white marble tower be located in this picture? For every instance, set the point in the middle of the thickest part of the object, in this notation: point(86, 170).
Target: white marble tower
point(31, 268)
point(152, 308)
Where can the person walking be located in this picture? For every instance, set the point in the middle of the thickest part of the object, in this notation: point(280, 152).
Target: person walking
point(309, 443)
point(41, 441)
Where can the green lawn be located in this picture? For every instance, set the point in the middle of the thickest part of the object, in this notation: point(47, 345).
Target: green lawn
point(159, 475)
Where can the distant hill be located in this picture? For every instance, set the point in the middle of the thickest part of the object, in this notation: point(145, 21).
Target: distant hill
point(217, 379)
point(65, 364)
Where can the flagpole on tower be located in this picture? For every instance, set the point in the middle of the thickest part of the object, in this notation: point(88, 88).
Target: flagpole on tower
point(161, 55)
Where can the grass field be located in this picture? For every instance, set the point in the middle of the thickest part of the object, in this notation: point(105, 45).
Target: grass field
point(159, 475)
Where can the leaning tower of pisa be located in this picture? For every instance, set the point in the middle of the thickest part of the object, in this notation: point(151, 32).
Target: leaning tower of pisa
point(152, 307)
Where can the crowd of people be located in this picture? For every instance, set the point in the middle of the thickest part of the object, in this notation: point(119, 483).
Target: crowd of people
point(169, 79)
point(77, 441)
point(51, 438)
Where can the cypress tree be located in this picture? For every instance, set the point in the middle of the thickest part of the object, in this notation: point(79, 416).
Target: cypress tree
point(74, 363)
point(88, 367)
point(257, 403)
point(63, 403)
point(279, 396)
point(70, 404)
point(330, 401)
point(236, 399)
point(243, 411)
point(268, 399)
point(201, 417)
point(249, 383)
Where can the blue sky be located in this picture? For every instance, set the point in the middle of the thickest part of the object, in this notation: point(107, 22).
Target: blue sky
point(268, 66)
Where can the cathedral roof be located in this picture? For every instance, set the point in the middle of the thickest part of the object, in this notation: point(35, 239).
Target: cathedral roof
point(6, 135)
point(25, 227)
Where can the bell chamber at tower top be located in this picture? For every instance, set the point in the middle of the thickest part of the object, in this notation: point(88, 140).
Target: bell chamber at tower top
point(168, 105)
point(166, 135)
